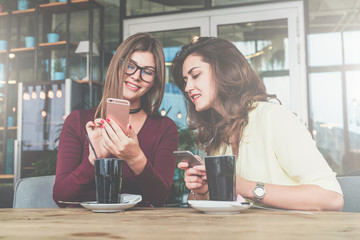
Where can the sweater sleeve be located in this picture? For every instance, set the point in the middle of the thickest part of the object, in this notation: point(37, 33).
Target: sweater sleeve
point(74, 173)
point(156, 179)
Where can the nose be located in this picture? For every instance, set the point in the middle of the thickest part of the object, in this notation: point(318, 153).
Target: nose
point(136, 74)
point(189, 85)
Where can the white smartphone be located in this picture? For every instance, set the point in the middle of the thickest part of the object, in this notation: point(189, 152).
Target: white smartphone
point(189, 157)
point(118, 110)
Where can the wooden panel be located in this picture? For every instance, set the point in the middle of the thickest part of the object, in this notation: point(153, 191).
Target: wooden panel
point(175, 223)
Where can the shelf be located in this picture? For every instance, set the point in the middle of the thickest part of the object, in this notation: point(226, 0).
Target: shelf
point(53, 46)
point(6, 176)
point(17, 50)
point(24, 12)
point(56, 45)
point(2, 51)
point(58, 7)
point(9, 128)
point(87, 81)
point(28, 168)
point(2, 14)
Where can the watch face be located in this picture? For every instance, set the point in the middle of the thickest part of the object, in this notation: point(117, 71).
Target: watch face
point(259, 191)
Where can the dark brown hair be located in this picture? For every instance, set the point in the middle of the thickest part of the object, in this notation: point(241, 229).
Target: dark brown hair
point(237, 88)
point(113, 87)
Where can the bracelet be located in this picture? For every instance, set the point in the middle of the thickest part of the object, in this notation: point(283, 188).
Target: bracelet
point(201, 194)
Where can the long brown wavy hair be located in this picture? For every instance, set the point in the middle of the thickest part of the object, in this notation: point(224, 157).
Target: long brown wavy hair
point(238, 88)
point(113, 87)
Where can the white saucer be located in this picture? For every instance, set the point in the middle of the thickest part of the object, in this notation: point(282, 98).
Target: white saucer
point(127, 201)
point(219, 207)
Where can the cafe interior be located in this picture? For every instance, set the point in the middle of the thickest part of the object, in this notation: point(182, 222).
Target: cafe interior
point(54, 55)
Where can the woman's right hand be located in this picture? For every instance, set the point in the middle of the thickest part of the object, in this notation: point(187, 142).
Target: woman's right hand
point(93, 130)
point(195, 177)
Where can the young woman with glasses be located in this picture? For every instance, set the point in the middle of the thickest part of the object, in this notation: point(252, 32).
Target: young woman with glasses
point(278, 163)
point(136, 73)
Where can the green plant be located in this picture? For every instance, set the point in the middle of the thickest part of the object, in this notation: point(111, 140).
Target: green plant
point(58, 66)
point(59, 30)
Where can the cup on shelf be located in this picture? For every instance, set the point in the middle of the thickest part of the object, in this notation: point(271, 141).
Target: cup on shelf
point(221, 178)
point(52, 37)
point(23, 4)
point(29, 41)
point(59, 76)
point(108, 179)
point(10, 121)
point(3, 44)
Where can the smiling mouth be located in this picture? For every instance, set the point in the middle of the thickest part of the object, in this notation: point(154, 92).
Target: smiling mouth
point(195, 96)
point(132, 85)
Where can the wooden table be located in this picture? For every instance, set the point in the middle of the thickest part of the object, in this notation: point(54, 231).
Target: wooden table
point(175, 223)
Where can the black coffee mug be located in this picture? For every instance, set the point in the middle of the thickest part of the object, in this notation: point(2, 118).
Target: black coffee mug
point(108, 179)
point(221, 177)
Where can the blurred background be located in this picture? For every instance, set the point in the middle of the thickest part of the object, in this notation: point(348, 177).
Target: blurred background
point(307, 52)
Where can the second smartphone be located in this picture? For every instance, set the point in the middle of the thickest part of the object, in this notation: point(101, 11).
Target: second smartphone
point(118, 110)
point(189, 157)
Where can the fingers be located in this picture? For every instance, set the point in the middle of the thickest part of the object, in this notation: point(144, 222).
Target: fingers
point(132, 133)
point(200, 168)
point(183, 165)
point(115, 127)
point(90, 126)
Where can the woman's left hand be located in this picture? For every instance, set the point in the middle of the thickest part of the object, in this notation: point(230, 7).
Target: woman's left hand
point(124, 147)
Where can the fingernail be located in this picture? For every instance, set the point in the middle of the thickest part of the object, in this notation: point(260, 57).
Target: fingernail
point(108, 119)
point(102, 121)
point(101, 126)
point(93, 123)
point(129, 126)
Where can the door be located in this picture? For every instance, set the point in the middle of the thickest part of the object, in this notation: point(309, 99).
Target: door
point(271, 37)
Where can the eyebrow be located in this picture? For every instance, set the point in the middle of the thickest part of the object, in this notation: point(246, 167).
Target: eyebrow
point(190, 71)
point(142, 67)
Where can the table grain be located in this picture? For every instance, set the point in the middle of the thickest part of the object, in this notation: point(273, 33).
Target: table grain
point(175, 223)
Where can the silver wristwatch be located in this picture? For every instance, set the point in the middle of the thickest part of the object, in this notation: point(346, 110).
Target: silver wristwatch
point(259, 192)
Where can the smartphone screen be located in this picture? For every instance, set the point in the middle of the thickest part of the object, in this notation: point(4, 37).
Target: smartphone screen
point(118, 110)
point(189, 157)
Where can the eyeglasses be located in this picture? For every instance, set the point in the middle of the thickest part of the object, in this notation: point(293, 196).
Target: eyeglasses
point(146, 74)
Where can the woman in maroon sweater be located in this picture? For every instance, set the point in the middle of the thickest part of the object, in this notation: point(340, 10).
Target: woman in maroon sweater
point(137, 74)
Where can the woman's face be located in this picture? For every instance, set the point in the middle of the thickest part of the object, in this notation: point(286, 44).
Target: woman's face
point(134, 87)
point(200, 84)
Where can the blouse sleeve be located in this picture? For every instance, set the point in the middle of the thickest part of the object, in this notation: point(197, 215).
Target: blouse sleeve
point(74, 172)
point(156, 179)
point(297, 153)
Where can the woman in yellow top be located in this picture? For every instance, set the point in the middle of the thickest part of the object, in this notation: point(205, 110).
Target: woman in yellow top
point(278, 163)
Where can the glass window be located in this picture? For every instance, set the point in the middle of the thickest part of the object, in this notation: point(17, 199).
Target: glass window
point(265, 46)
point(325, 49)
point(141, 7)
point(233, 2)
point(173, 104)
point(353, 105)
point(352, 47)
point(279, 86)
point(351, 160)
point(327, 116)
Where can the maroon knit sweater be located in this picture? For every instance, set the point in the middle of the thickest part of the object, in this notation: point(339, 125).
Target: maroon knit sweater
point(75, 178)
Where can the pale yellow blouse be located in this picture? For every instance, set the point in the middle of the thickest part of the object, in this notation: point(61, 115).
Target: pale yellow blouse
point(277, 148)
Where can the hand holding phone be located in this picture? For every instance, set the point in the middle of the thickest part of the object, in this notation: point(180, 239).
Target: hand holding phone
point(189, 157)
point(118, 110)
